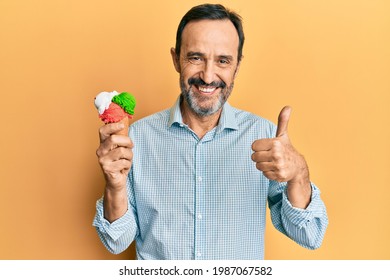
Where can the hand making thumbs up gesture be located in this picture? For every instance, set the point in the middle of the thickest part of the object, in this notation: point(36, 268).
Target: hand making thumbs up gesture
point(279, 161)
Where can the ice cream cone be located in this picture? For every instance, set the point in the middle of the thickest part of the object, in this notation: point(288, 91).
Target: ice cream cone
point(116, 108)
point(125, 131)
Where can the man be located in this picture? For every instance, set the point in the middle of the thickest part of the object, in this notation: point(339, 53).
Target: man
point(197, 180)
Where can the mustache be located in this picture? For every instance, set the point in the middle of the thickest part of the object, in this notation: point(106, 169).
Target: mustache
point(200, 82)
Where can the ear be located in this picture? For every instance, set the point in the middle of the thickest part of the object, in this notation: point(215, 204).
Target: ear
point(175, 60)
point(238, 67)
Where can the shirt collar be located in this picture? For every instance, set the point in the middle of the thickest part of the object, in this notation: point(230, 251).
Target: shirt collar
point(227, 119)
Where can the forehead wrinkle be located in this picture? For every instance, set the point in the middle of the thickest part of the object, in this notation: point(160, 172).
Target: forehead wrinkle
point(219, 37)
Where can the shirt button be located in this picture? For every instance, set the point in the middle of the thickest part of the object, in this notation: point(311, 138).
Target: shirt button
point(200, 216)
point(200, 179)
point(199, 254)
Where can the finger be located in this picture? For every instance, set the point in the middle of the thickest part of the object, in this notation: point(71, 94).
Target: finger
point(121, 165)
point(120, 141)
point(114, 168)
point(265, 166)
point(262, 144)
point(262, 156)
point(107, 130)
point(121, 153)
point(283, 119)
point(271, 175)
point(113, 142)
point(115, 156)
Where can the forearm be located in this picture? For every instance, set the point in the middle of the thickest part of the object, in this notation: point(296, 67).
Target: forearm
point(118, 235)
point(306, 226)
point(115, 203)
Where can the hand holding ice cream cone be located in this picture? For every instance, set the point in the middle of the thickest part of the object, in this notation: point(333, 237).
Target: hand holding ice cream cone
point(115, 151)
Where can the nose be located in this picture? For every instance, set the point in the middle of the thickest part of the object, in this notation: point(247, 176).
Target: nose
point(208, 73)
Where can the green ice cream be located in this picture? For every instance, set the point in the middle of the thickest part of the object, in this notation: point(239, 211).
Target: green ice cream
point(126, 101)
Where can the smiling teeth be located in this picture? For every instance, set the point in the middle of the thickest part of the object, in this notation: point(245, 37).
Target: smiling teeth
point(208, 90)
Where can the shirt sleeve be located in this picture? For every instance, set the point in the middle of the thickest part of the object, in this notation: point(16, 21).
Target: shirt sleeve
point(305, 226)
point(118, 235)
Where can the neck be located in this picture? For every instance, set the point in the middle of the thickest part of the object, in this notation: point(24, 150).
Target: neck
point(199, 124)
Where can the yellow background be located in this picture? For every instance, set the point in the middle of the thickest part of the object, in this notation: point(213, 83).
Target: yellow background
point(329, 60)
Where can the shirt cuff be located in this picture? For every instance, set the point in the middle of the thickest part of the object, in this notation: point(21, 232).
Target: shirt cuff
point(115, 229)
point(298, 216)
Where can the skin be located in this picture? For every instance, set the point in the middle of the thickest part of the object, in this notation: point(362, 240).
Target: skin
point(115, 157)
point(209, 52)
point(280, 161)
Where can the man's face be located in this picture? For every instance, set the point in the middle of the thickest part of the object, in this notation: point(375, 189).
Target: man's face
point(207, 64)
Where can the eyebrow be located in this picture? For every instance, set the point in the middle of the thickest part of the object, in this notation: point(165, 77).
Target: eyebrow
point(228, 57)
point(195, 54)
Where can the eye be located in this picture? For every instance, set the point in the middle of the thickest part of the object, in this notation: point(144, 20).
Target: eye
point(224, 61)
point(195, 59)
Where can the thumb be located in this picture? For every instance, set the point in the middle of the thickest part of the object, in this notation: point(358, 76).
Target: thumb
point(283, 119)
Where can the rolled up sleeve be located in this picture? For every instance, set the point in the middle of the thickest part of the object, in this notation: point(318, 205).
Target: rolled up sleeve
point(305, 226)
point(118, 235)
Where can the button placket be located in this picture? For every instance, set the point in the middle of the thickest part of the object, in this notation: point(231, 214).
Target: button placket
point(199, 202)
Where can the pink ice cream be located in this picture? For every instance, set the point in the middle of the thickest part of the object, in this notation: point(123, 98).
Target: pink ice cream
point(114, 113)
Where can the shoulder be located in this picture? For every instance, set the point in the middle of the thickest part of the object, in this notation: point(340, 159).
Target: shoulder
point(245, 116)
point(158, 118)
point(248, 120)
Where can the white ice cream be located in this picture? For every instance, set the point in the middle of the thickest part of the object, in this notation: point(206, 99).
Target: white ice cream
point(103, 100)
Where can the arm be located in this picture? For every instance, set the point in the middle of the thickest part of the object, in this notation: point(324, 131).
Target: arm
point(115, 220)
point(293, 200)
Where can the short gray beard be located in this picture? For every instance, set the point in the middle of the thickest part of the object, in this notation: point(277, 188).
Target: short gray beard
point(190, 98)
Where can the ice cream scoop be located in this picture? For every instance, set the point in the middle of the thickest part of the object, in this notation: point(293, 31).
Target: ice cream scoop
point(116, 107)
point(103, 100)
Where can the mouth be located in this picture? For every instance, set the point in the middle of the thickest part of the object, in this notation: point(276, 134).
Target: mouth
point(206, 90)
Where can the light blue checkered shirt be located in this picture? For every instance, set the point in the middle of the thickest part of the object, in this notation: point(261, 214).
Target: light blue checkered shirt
point(192, 198)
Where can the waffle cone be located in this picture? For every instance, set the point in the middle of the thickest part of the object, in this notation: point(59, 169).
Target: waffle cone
point(125, 131)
